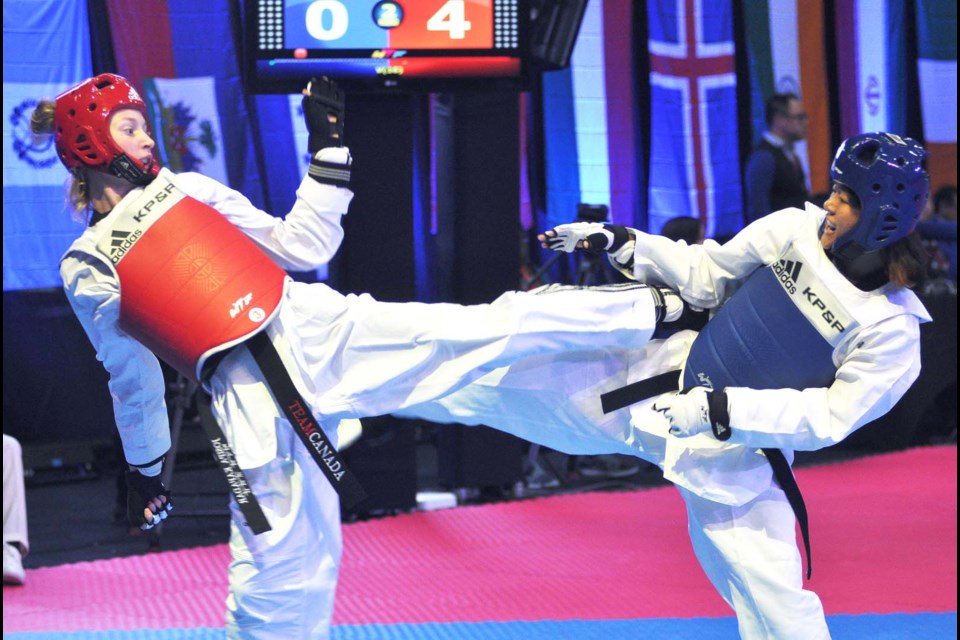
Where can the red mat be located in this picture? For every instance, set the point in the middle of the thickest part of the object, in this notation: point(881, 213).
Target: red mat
point(884, 533)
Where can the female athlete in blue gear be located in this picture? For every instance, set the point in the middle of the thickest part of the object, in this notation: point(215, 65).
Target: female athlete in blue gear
point(815, 333)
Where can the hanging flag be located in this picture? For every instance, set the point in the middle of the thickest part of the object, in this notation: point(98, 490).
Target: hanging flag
point(937, 66)
point(37, 223)
point(785, 48)
point(625, 156)
point(871, 65)
point(589, 114)
point(575, 143)
point(186, 126)
point(694, 148)
point(560, 149)
point(589, 108)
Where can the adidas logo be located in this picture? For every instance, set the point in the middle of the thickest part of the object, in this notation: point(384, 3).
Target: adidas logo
point(792, 268)
point(121, 241)
point(117, 238)
point(788, 272)
point(721, 431)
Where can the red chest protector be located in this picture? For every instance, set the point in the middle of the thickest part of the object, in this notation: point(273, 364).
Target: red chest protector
point(191, 283)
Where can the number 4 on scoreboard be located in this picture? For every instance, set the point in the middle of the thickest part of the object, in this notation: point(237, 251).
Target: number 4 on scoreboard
point(450, 18)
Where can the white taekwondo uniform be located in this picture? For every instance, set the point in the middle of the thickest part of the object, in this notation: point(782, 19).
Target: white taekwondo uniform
point(805, 358)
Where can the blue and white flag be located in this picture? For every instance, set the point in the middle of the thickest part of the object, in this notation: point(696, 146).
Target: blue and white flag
point(871, 65)
point(37, 225)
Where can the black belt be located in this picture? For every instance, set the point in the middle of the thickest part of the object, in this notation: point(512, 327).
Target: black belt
point(670, 381)
point(236, 480)
point(298, 412)
point(641, 390)
point(787, 482)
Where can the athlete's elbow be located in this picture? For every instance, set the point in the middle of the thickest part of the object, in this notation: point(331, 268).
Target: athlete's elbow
point(821, 439)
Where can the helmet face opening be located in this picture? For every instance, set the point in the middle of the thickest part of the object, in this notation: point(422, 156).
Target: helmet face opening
point(886, 174)
point(82, 127)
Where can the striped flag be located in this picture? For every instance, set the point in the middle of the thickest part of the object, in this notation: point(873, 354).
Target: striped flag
point(587, 64)
point(937, 66)
point(871, 65)
point(624, 150)
point(562, 171)
point(589, 117)
point(694, 147)
point(786, 51)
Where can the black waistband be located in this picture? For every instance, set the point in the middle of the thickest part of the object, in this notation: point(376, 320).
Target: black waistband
point(670, 381)
point(298, 412)
point(236, 480)
point(787, 482)
point(641, 390)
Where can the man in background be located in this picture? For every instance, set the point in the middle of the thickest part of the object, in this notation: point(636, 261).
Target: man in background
point(938, 229)
point(774, 177)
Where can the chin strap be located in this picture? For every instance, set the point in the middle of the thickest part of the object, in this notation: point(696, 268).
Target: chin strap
point(123, 167)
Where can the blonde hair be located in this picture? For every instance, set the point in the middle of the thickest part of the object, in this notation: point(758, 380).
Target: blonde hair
point(78, 190)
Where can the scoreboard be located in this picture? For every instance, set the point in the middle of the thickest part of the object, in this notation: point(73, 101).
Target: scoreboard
point(371, 44)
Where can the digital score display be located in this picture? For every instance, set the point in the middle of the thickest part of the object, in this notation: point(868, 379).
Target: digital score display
point(382, 44)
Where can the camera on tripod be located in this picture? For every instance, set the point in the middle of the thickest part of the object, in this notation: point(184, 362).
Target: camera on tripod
point(593, 212)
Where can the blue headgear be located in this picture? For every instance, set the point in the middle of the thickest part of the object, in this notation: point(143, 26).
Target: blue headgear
point(886, 173)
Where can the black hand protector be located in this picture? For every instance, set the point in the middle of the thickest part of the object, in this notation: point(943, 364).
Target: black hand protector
point(610, 240)
point(323, 111)
point(141, 491)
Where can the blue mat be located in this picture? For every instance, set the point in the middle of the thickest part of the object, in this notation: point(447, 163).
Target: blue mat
point(895, 626)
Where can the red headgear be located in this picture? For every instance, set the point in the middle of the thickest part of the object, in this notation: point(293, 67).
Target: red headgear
point(81, 126)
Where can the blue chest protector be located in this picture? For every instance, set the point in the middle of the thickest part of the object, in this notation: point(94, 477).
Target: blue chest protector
point(778, 331)
point(762, 339)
